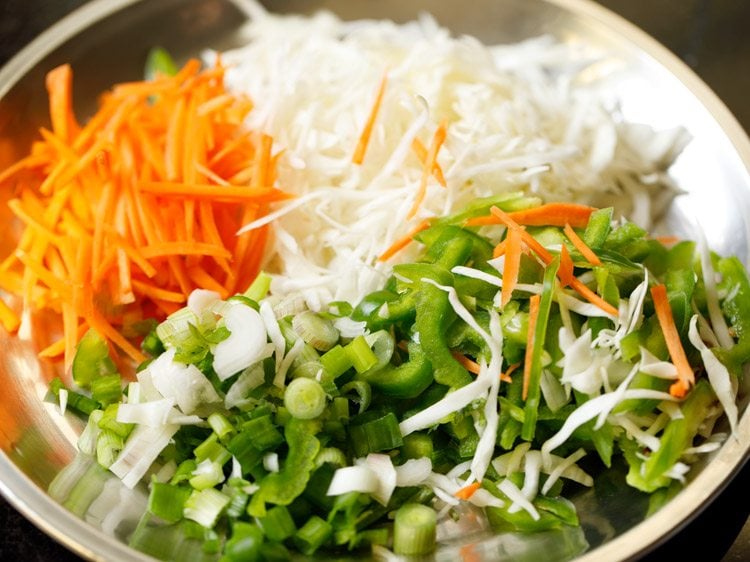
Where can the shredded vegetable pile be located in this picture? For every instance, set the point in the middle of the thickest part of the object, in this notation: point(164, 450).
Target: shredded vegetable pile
point(528, 340)
point(125, 216)
point(383, 125)
point(451, 318)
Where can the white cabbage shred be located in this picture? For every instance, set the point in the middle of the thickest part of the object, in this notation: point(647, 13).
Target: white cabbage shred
point(518, 117)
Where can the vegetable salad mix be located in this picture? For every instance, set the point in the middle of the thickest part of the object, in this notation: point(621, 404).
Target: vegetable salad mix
point(439, 345)
point(528, 340)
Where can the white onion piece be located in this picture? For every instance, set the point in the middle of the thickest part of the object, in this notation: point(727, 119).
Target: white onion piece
point(62, 396)
point(510, 462)
point(274, 331)
point(250, 378)
point(413, 472)
point(718, 323)
point(532, 469)
point(245, 344)
point(349, 328)
point(201, 300)
point(353, 479)
point(382, 466)
point(718, 375)
point(152, 414)
point(185, 384)
point(141, 449)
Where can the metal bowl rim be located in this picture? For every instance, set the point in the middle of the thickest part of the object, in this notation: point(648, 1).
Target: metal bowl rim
point(93, 544)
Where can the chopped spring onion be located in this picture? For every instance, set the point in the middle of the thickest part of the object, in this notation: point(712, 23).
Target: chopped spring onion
point(205, 506)
point(414, 530)
point(305, 398)
point(317, 331)
point(245, 344)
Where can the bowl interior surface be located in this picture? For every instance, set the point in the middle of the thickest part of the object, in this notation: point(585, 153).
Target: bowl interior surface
point(107, 41)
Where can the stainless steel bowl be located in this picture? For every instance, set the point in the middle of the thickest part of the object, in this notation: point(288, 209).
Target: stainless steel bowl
point(106, 42)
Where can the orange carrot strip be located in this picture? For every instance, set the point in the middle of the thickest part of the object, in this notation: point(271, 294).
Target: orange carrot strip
point(467, 491)
point(505, 377)
point(8, 318)
point(58, 348)
point(685, 375)
point(28, 163)
point(466, 363)
point(202, 279)
point(184, 249)
point(581, 246)
point(101, 325)
point(174, 141)
point(437, 170)
point(59, 82)
point(16, 207)
point(533, 315)
point(437, 141)
point(512, 266)
point(592, 297)
point(500, 249)
point(213, 192)
point(364, 138)
point(565, 272)
point(666, 240)
point(554, 214)
point(156, 293)
point(527, 238)
point(401, 243)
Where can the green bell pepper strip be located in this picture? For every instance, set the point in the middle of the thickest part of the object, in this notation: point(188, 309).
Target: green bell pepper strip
point(680, 287)
point(408, 380)
point(434, 315)
point(92, 360)
point(281, 488)
point(736, 308)
point(598, 228)
point(534, 394)
point(648, 475)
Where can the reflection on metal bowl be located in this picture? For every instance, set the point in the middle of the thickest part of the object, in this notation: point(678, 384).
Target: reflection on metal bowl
point(106, 42)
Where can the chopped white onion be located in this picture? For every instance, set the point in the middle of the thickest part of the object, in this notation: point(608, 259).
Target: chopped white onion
point(245, 344)
point(141, 449)
point(382, 466)
point(271, 462)
point(413, 472)
point(353, 479)
point(191, 391)
point(152, 414)
point(250, 378)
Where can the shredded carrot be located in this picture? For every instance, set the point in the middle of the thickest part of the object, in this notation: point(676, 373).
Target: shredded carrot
point(401, 243)
point(505, 377)
point(500, 249)
point(546, 258)
point(469, 553)
point(527, 238)
point(685, 375)
point(592, 297)
point(581, 246)
point(364, 138)
point(8, 318)
point(565, 273)
point(667, 240)
point(125, 216)
point(549, 214)
point(533, 315)
point(512, 266)
point(466, 363)
point(437, 141)
point(467, 491)
point(213, 192)
point(437, 170)
point(554, 214)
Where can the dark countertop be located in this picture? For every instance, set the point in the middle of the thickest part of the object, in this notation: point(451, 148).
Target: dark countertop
point(710, 35)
